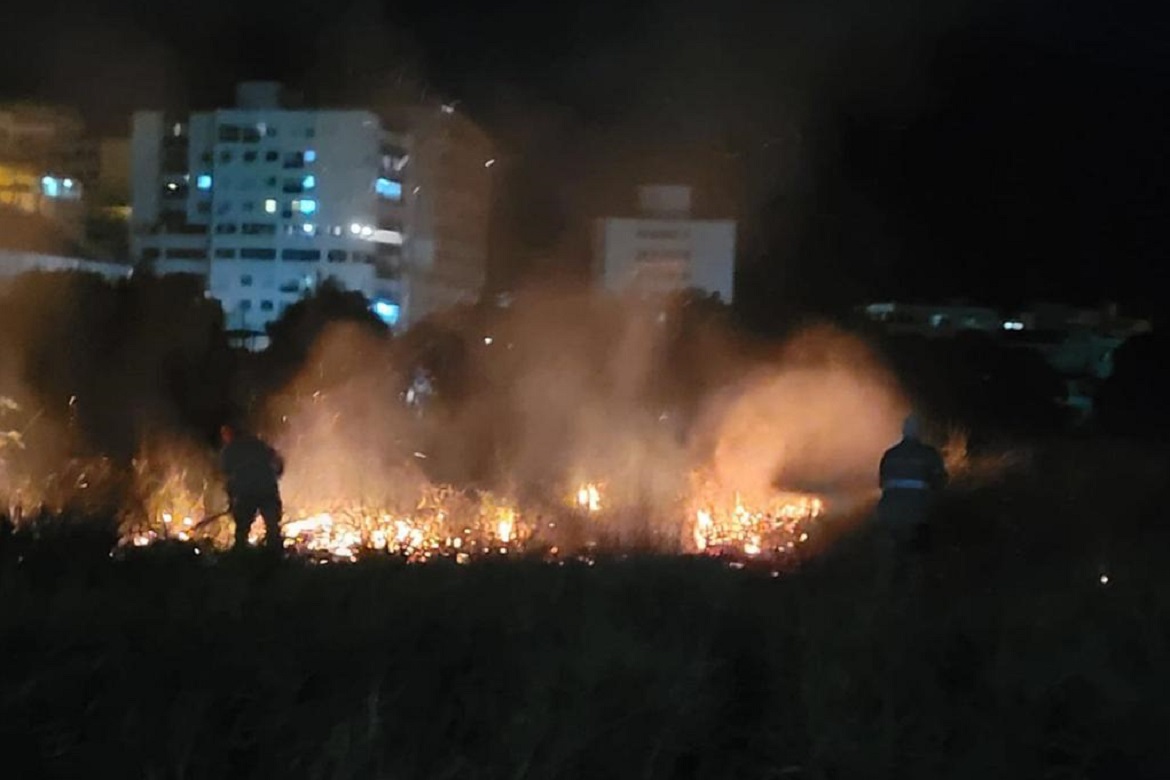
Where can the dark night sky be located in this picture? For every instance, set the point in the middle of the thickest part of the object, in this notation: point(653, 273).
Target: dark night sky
point(998, 150)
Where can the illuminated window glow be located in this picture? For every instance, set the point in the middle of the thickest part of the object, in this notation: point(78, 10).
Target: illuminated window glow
point(203, 181)
point(307, 206)
point(309, 182)
point(310, 155)
point(386, 311)
point(388, 188)
point(270, 205)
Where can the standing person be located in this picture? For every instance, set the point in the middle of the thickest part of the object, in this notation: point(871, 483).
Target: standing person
point(911, 474)
point(252, 469)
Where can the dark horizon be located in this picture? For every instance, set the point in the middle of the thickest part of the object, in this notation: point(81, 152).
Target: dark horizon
point(1002, 152)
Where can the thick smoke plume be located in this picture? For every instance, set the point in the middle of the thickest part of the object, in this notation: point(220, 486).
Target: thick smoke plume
point(565, 389)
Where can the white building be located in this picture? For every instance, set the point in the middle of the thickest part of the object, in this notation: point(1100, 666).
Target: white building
point(265, 202)
point(663, 249)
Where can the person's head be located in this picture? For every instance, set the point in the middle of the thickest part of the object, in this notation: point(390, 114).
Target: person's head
point(911, 427)
point(227, 432)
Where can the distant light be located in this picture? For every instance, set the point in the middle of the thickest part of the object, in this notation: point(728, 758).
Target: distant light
point(307, 206)
point(262, 128)
point(308, 227)
point(51, 187)
point(270, 205)
point(490, 163)
point(310, 155)
point(310, 182)
point(392, 237)
point(1013, 325)
point(487, 340)
point(1104, 579)
point(68, 184)
point(172, 186)
point(388, 188)
point(367, 231)
point(386, 311)
point(400, 162)
point(177, 129)
point(335, 230)
point(203, 182)
point(416, 190)
point(448, 108)
point(355, 228)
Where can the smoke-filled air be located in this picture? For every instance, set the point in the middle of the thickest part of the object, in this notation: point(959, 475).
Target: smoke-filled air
point(563, 424)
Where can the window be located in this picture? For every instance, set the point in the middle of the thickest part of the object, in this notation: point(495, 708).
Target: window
point(270, 181)
point(246, 280)
point(225, 254)
point(286, 214)
point(245, 305)
point(291, 286)
point(294, 160)
point(266, 306)
point(270, 206)
point(309, 229)
point(258, 229)
point(336, 256)
point(305, 206)
point(388, 188)
point(229, 133)
point(223, 207)
point(224, 228)
point(203, 181)
point(250, 135)
point(257, 253)
point(362, 257)
point(249, 156)
point(271, 156)
point(310, 155)
point(309, 182)
point(206, 157)
point(186, 254)
point(150, 253)
point(301, 255)
point(268, 130)
point(294, 186)
point(335, 230)
point(225, 156)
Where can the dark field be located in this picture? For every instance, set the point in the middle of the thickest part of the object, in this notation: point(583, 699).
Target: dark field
point(1028, 636)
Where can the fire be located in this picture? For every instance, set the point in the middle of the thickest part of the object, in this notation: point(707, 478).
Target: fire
point(589, 497)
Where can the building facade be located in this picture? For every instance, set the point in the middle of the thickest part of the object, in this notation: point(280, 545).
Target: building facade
point(266, 202)
point(664, 250)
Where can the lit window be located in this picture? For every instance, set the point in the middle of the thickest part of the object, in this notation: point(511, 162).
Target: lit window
point(309, 228)
point(367, 231)
point(52, 188)
point(307, 206)
point(386, 311)
point(310, 155)
point(335, 230)
point(68, 184)
point(270, 205)
point(203, 181)
point(388, 188)
point(177, 130)
point(309, 182)
point(355, 228)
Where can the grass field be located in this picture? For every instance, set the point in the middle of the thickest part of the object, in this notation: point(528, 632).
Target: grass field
point(1029, 637)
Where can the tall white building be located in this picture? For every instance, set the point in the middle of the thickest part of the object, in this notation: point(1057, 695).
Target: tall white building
point(265, 202)
point(663, 249)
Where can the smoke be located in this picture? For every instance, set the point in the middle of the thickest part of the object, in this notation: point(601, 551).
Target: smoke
point(565, 389)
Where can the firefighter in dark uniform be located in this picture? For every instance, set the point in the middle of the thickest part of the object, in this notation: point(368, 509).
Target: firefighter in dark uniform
point(911, 474)
point(252, 469)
